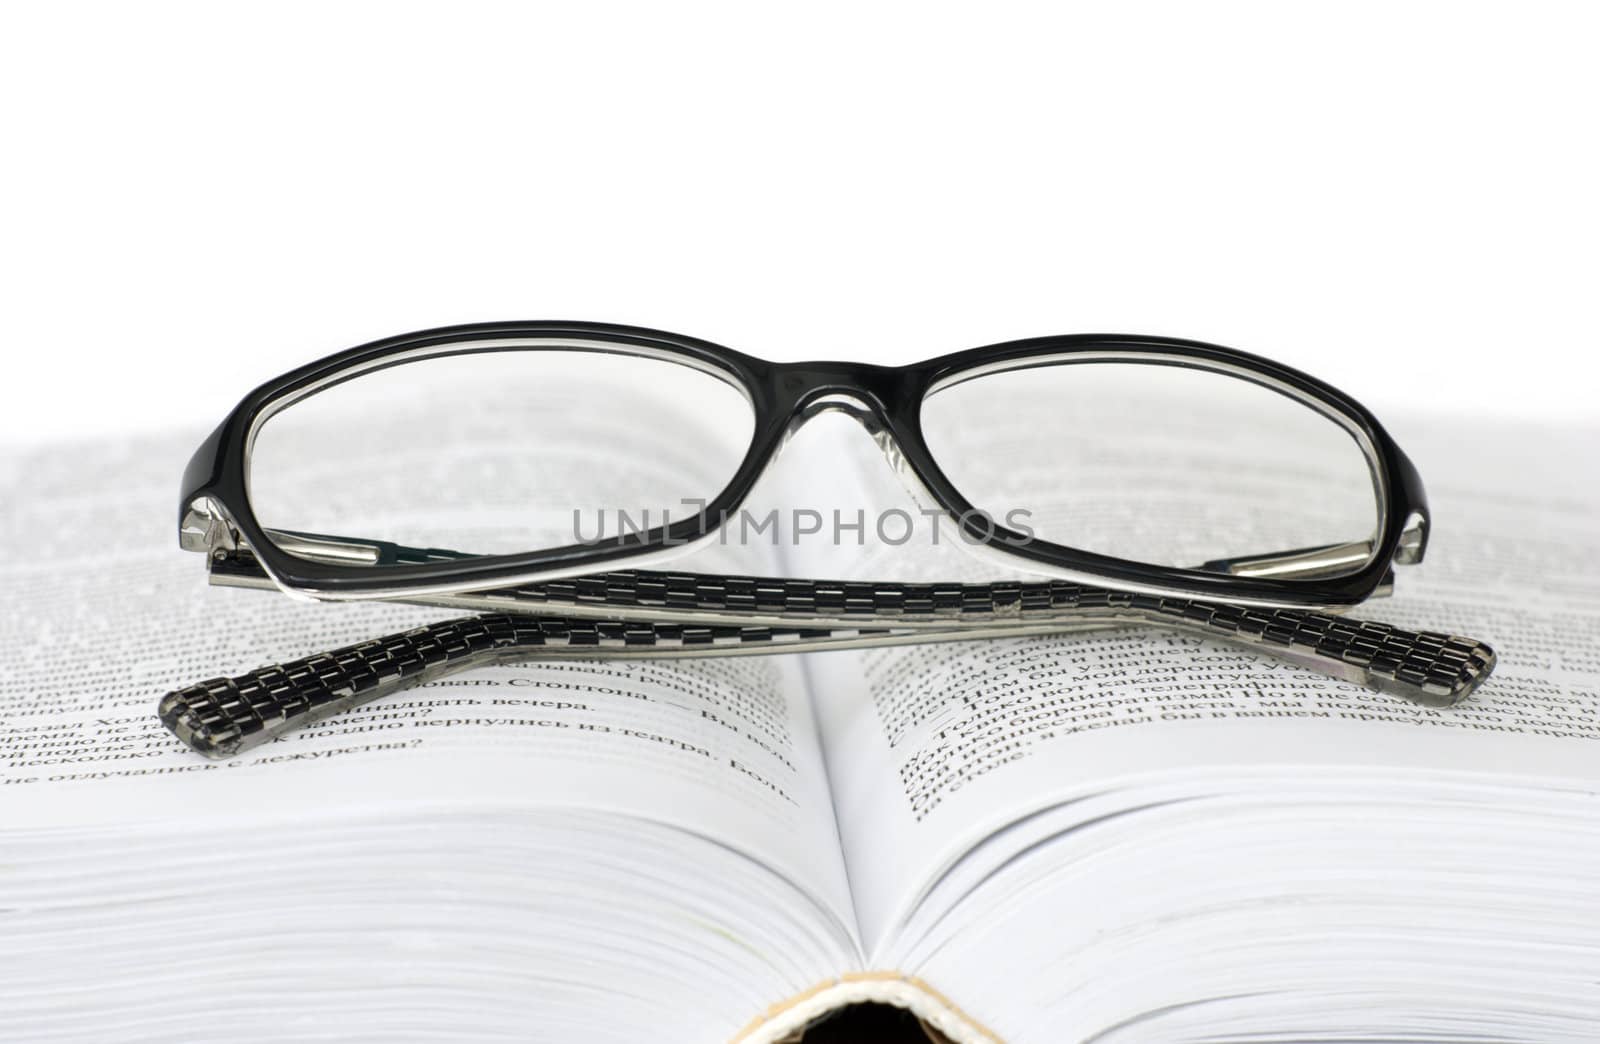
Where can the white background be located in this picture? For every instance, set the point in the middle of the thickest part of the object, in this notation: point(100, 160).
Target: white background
point(1399, 198)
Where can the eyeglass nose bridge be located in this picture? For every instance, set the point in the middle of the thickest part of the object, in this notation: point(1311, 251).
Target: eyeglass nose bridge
point(864, 392)
point(852, 404)
point(871, 416)
point(869, 396)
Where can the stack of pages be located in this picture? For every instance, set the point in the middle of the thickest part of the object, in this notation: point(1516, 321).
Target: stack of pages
point(1125, 836)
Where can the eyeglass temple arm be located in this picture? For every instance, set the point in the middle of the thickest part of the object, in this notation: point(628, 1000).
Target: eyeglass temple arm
point(1325, 559)
point(1300, 563)
point(1329, 559)
point(224, 716)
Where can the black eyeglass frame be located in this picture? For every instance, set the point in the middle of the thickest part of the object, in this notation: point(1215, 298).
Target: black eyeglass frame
point(887, 399)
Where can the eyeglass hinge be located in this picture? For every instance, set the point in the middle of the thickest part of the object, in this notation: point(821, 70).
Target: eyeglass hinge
point(1413, 539)
point(205, 529)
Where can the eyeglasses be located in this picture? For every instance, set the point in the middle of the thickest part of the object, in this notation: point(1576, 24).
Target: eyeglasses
point(542, 473)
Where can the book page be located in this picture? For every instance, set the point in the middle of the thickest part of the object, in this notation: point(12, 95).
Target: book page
point(105, 614)
point(934, 748)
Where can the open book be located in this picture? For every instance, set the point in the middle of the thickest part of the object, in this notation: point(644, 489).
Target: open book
point(1128, 835)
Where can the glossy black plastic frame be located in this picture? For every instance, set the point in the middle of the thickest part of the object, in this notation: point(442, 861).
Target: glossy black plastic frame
point(888, 399)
